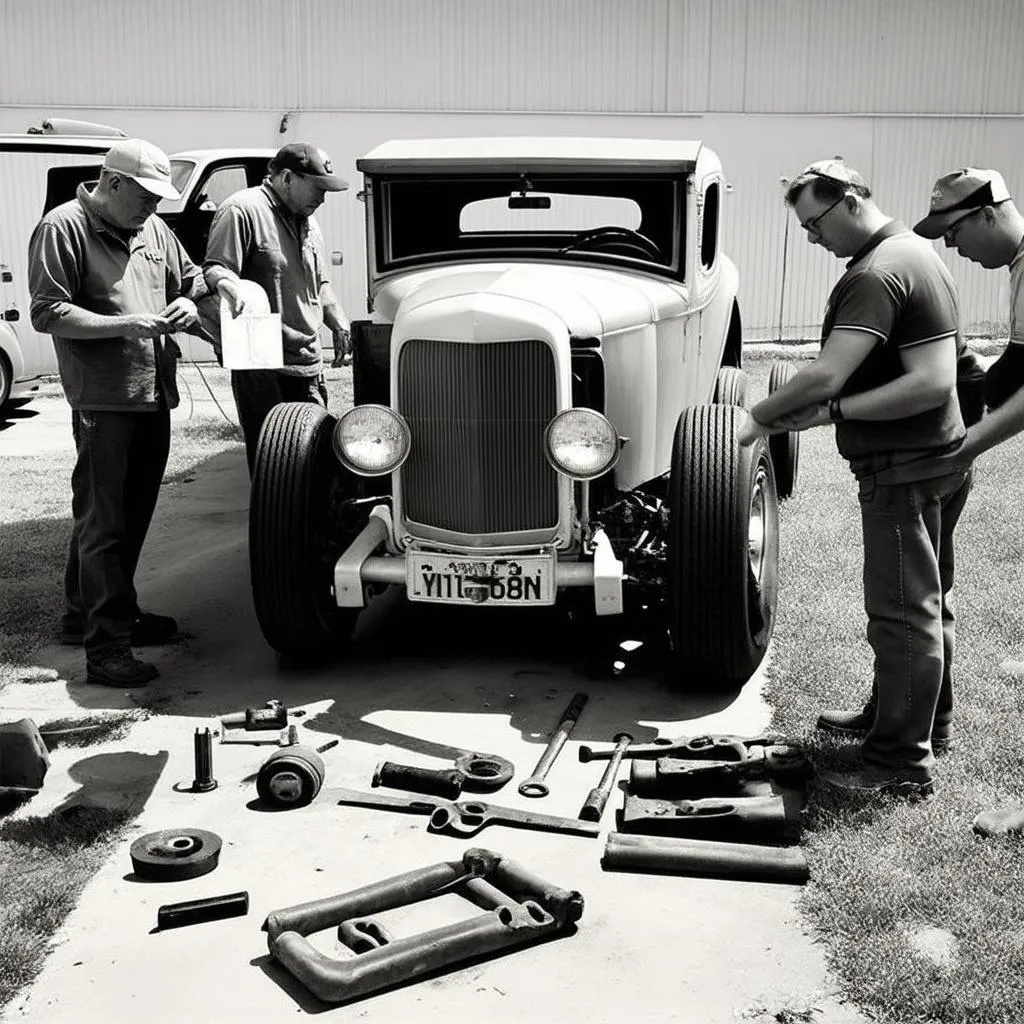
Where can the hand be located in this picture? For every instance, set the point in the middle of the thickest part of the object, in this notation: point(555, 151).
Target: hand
point(181, 314)
point(228, 289)
point(751, 431)
point(802, 419)
point(342, 346)
point(144, 325)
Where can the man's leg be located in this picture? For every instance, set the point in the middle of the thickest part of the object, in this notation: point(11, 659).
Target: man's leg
point(304, 389)
point(73, 622)
point(256, 393)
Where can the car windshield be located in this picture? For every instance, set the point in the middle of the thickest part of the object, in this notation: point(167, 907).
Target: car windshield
point(632, 220)
point(181, 171)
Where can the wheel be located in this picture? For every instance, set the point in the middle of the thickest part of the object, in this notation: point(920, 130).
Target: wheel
point(723, 549)
point(732, 387)
point(5, 384)
point(784, 448)
point(294, 541)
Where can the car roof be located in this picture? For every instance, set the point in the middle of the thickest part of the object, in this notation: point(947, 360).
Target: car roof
point(58, 143)
point(218, 154)
point(519, 154)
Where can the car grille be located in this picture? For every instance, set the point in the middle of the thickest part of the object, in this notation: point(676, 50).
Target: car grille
point(477, 412)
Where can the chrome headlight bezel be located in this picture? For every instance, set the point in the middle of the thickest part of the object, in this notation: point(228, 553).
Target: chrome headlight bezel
point(343, 440)
point(610, 445)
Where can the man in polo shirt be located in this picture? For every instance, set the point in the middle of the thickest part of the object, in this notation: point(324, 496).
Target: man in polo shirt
point(972, 211)
point(110, 282)
point(886, 377)
point(268, 234)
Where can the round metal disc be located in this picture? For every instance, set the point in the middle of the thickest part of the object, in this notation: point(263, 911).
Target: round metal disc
point(174, 854)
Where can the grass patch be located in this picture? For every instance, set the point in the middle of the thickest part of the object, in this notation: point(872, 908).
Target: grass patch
point(89, 730)
point(921, 918)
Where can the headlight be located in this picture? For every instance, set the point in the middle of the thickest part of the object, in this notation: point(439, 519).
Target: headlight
point(371, 440)
point(581, 443)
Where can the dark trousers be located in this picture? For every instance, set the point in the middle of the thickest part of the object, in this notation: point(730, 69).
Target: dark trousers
point(114, 485)
point(258, 391)
point(908, 576)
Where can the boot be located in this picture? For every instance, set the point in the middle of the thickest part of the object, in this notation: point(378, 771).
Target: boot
point(848, 723)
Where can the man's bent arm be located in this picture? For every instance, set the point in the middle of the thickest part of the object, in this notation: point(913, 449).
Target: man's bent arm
point(997, 426)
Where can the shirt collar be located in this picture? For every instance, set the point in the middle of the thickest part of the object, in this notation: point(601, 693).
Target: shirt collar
point(887, 230)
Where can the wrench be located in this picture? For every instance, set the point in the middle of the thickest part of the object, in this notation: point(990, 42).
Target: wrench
point(719, 748)
point(535, 784)
point(467, 817)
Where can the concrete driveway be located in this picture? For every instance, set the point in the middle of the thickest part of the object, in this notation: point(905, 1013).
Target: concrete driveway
point(418, 684)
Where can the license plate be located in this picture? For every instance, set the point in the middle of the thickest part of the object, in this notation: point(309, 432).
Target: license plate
point(465, 579)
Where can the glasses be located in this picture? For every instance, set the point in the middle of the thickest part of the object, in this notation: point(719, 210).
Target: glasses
point(811, 226)
point(949, 236)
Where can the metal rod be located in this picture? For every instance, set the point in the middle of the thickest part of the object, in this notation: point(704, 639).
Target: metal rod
point(535, 785)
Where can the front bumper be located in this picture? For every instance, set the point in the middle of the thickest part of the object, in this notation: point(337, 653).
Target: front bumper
point(363, 563)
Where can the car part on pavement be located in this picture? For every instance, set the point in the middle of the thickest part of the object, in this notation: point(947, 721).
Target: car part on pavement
point(535, 784)
point(24, 759)
point(519, 909)
point(709, 748)
point(593, 806)
point(204, 781)
point(446, 782)
point(465, 818)
point(361, 934)
point(740, 819)
point(743, 861)
point(673, 776)
point(213, 908)
point(291, 777)
point(484, 773)
point(287, 737)
point(174, 854)
point(785, 447)
point(273, 715)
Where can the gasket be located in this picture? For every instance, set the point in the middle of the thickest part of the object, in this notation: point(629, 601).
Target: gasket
point(174, 854)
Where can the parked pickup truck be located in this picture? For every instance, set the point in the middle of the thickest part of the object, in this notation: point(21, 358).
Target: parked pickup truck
point(547, 399)
point(41, 170)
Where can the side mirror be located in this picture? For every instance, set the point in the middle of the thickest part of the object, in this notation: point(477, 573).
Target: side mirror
point(207, 206)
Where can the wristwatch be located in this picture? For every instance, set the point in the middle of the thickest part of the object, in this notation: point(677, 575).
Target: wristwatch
point(835, 413)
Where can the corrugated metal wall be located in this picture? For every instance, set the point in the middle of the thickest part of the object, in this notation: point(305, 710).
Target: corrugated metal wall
point(904, 89)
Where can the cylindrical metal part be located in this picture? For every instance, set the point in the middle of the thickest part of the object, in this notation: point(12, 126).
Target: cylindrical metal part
point(290, 777)
point(535, 785)
point(744, 861)
point(593, 806)
point(446, 782)
point(204, 780)
point(213, 908)
point(273, 716)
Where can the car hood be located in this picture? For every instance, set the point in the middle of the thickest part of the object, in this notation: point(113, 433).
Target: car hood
point(591, 302)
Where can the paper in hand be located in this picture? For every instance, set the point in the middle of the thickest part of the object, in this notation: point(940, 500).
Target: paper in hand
point(251, 340)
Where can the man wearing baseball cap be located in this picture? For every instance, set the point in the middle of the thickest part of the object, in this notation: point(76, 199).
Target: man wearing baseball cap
point(268, 234)
point(111, 283)
point(972, 211)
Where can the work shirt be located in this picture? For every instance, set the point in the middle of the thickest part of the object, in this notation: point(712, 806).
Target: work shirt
point(1017, 296)
point(76, 258)
point(899, 290)
point(258, 238)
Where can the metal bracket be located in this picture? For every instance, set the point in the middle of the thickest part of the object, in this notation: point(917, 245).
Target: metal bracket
point(607, 576)
point(519, 909)
point(348, 570)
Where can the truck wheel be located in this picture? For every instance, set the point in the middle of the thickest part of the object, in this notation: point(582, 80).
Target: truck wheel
point(723, 549)
point(784, 448)
point(732, 387)
point(6, 380)
point(292, 546)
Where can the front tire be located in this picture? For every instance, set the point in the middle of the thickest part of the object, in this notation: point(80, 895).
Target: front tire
point(784, 448)
point(291, 547)
point(723, 549)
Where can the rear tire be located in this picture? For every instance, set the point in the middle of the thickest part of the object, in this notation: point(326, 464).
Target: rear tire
point(732, 387)
point(723, 549)
point(784, 448)
point(292, 545)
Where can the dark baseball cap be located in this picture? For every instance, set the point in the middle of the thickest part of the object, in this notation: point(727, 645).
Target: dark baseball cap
point(958, 193)
point(309, 161)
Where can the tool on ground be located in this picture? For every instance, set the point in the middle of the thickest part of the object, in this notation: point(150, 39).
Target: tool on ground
point(24, 759)
point(485, 773)
point(739, 819)
point(705, 748)
point(174, 854)
point(361, 934)
point(518, 909)
point(446, 782)
point(292, 777)
point(286, 737)
point(204, 781)
point(535, 784)
point(213, 908)
point(593, 806)
point(743, 861)
point(466, 818)
point(675, 777)
point(273, 715)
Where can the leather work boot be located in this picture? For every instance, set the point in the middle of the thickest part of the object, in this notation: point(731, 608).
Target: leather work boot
point(871, 781)
point(149, 630)
point(1007, 822)
point(117, 666)
point(848, 723)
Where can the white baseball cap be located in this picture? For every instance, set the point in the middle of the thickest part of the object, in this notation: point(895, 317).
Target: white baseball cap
point(145, 164)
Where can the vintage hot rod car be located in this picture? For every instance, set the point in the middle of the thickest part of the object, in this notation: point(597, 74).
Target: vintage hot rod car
point(547, 400)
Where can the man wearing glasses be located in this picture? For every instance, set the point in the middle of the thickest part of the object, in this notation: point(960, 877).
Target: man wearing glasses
point(971, 210)
point(886, 377)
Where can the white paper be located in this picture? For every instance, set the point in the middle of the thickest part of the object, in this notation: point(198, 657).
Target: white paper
point(251, 340)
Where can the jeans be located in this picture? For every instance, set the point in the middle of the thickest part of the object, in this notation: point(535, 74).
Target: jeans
point(908, 575)
point(114, 485)
point(258, 391)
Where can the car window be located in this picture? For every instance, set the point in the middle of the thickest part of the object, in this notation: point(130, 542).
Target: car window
point(181, 171)
point(553, 212)
point(62, 182)
point(709, 229)
point(221, 183)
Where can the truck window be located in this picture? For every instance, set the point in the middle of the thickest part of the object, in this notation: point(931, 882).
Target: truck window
point(221, 183)
point(63, 182)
